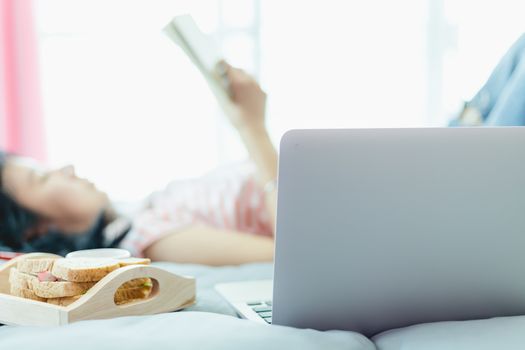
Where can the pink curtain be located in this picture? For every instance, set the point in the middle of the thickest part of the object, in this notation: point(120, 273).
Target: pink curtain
point(21, 117)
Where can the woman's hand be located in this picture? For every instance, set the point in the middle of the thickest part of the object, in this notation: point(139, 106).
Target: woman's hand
point(247, 97)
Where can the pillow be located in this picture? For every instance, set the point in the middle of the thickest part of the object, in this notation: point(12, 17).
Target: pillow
point(496, 333)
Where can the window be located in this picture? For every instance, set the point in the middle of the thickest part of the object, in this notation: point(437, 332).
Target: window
point(122, 102)
point(479, 34)
point(127, 107)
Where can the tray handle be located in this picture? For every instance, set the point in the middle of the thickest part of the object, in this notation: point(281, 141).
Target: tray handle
point(170, 292)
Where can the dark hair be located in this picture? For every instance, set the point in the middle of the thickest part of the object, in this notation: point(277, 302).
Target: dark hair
point(14, 219)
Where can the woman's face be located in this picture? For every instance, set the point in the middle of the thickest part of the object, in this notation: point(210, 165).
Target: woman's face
point(59, 197)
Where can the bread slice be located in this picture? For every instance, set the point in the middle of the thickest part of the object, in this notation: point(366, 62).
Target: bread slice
point(25, 293)
point(134, 261)
point(20, 285)
point(137, 282)
point(45, 289)
point(84, 269)
point(124, 295)
point(35, 266)
point(59, 289)
point(19, 279)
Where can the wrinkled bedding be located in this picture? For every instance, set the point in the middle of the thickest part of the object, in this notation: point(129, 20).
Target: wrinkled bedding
point(211, 324)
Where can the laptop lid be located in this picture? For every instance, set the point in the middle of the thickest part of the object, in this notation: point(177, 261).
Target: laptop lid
point(384, 228)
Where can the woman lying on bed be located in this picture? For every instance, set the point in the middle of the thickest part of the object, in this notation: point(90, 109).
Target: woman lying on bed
point(226, 217)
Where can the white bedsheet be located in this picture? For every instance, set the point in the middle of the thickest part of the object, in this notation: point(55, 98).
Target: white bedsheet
point(211, 324)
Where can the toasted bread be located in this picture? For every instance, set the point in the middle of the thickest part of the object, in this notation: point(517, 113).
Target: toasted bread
point(25, 293)
point(19, 279)
point(59, 289)
point(63, 281)
point(47, 289)
point(124, 295)
point(84, 269)
point(137, 282)
point(35, 266)
point(133, 261)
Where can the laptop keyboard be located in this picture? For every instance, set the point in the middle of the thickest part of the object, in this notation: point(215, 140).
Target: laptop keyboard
point(263, 309)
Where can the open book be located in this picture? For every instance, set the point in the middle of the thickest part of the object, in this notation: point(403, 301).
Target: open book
point(203, 52)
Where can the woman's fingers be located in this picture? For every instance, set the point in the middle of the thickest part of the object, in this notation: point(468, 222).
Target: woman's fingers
point(241, 83)
point(233, 79)
point(246, 95)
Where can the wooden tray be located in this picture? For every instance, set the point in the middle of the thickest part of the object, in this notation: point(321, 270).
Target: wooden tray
point(170, 292)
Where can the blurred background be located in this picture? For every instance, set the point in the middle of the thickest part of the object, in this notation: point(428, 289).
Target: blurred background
point(97, 84)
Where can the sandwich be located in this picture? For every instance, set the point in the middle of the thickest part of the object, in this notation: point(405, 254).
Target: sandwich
point(63, 281)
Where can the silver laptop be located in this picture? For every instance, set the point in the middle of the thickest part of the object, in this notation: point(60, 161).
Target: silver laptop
point(385, 228)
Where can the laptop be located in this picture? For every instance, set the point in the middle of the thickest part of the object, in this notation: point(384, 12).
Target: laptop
point(385, 228)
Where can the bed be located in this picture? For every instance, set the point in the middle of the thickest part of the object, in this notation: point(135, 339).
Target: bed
point(212, 324)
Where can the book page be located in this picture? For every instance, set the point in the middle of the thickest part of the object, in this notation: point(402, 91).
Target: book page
point(202, 51)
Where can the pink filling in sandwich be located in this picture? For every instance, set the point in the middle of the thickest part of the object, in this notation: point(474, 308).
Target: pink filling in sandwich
point(46, 276)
